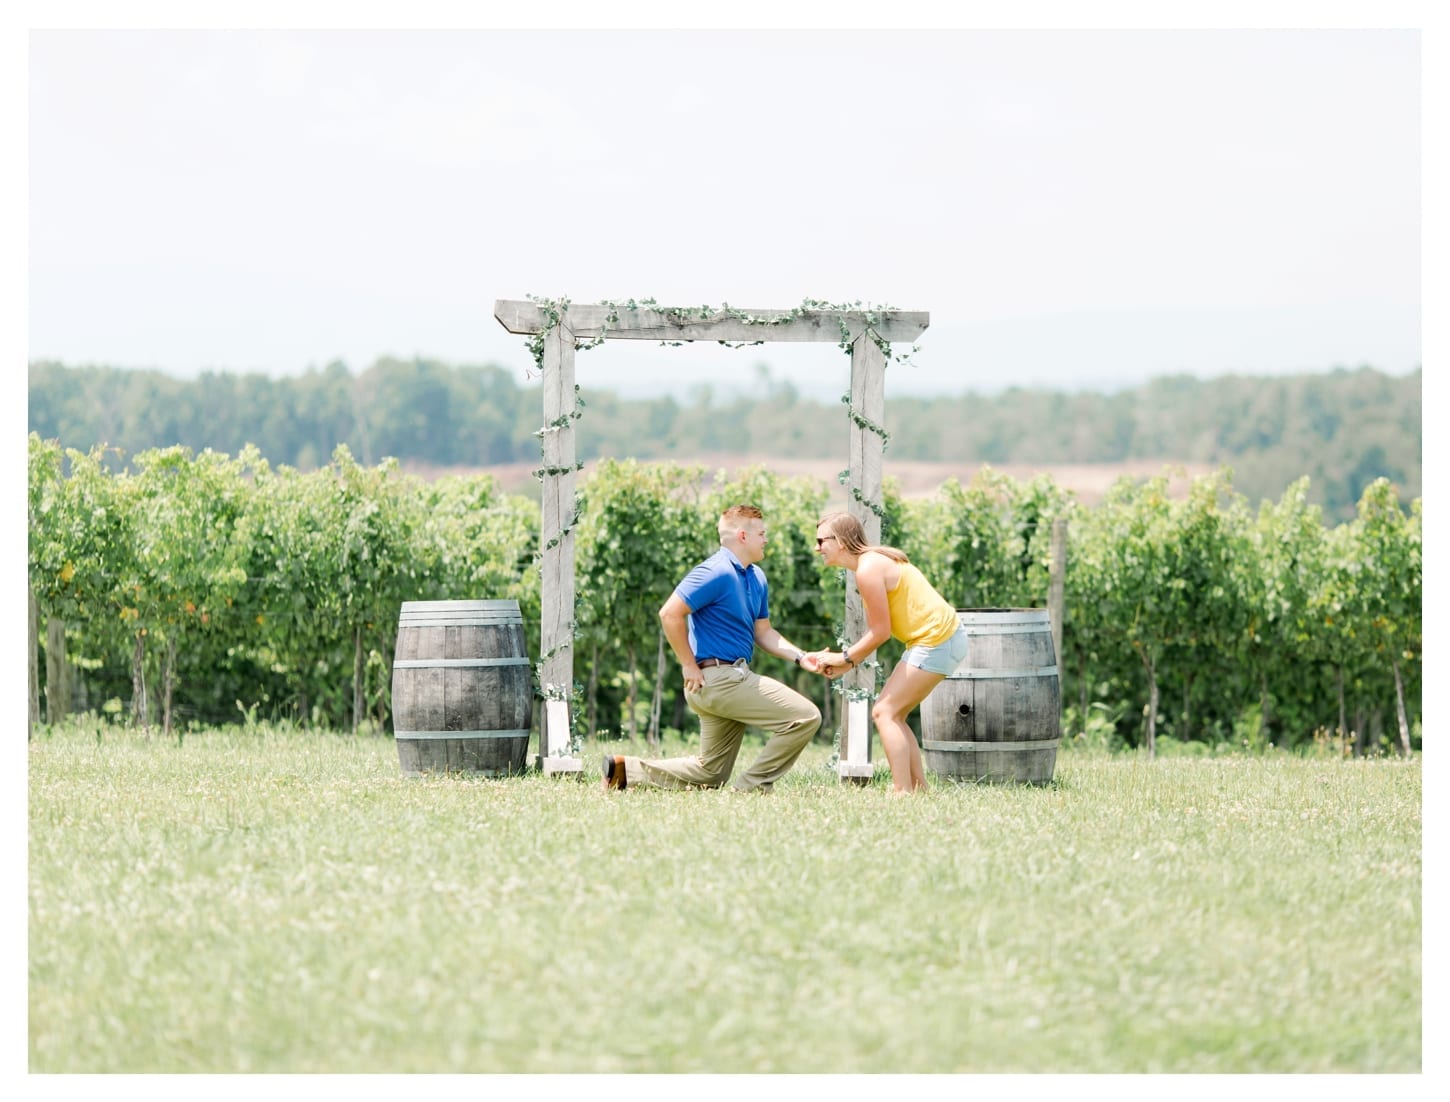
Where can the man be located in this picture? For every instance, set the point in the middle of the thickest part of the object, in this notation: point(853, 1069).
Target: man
point(713, 621)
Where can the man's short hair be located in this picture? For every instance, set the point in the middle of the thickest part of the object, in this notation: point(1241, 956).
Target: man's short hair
point(734, 519)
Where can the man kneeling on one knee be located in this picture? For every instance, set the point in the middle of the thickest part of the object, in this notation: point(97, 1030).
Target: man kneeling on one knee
point(713, 621)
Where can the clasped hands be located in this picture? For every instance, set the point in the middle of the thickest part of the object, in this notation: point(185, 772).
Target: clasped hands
point(828, 663)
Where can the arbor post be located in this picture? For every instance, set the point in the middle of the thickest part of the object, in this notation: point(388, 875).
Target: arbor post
point(556, 630)
point(868, 411)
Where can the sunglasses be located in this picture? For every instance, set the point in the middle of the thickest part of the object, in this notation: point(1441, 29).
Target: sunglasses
point(822, 539)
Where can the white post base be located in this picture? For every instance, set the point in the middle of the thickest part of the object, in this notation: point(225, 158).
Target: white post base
point(855, 764)
point(556, 740)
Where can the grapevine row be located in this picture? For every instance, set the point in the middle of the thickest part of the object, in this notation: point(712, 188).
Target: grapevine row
point(202, 588)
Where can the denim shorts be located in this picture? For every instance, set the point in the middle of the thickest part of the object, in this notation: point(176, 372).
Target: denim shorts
point(943, 658)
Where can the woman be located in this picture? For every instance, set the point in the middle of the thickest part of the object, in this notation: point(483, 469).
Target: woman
point(899, 602)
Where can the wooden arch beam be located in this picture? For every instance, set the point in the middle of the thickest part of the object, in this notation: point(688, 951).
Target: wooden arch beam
point(589, 321)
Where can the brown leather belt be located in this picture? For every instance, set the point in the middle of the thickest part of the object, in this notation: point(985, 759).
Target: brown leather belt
point(707, 663)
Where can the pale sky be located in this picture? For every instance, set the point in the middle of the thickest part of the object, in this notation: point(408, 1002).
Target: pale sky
point(1073, 208)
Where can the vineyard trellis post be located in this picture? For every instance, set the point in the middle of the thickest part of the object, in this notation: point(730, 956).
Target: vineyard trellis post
point(563, 326)
point(1057, 583)
point(33, 673)
point(57, 671)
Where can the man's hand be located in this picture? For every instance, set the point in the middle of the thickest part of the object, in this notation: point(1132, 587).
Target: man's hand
point(828, 664)
point(694, 678)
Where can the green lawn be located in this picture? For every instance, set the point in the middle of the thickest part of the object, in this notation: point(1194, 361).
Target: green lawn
point(275, 901)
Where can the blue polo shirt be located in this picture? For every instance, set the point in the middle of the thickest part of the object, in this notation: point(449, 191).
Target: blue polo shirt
point(725, 599)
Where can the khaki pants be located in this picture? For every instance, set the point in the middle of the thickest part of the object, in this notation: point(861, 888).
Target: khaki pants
point(732, 699)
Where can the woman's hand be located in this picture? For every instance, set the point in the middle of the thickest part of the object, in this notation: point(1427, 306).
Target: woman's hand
point(830, 664)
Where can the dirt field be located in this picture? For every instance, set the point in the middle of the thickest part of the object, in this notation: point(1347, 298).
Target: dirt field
point(1088, 481)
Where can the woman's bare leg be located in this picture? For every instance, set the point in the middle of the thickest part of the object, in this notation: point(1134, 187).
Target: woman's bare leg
point(907, 687)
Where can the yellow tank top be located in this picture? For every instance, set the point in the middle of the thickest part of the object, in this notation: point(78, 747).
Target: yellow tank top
point(920, 616)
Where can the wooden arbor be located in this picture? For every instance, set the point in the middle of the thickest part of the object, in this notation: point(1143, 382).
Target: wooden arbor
point(562, 328)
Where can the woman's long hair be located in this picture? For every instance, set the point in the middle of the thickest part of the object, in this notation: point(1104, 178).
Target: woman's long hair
point(848, 530)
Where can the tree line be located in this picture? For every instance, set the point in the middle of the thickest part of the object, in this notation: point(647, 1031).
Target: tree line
point(197, 588)
point(1343, 429)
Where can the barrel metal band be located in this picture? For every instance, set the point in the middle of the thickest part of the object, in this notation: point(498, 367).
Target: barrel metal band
point(1007, 629)
point(1036, 744)
point(404, 735)
point(417, 622)
point(969, 674)
point(463, 606)
point(425, 663)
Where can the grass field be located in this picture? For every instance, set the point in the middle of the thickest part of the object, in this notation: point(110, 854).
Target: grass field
point(276, 901)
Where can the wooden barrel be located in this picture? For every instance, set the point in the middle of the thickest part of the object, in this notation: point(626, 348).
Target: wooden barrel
point(462, 692)
point(997, 718)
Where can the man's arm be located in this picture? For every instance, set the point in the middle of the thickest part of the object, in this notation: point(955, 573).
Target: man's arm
point(677, 634)
point(773, 642)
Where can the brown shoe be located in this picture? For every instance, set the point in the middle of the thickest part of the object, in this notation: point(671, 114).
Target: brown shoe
point(614, 779)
